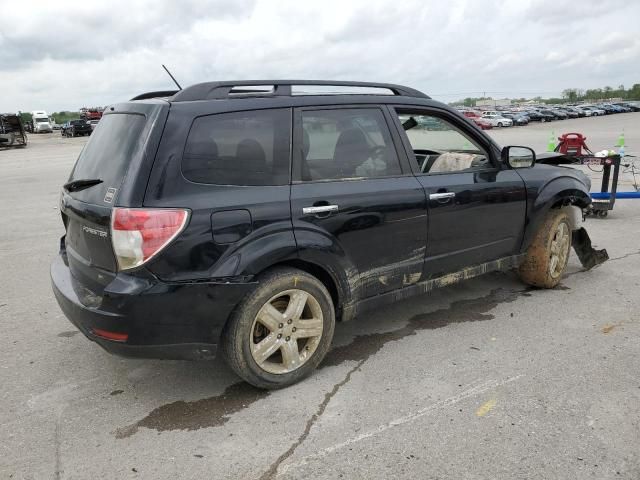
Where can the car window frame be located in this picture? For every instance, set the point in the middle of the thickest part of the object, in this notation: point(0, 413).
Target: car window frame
point(455, 122)
point(297, 143)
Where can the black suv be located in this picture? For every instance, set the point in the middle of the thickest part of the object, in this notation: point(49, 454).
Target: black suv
point(254, 215)
point(76, 128)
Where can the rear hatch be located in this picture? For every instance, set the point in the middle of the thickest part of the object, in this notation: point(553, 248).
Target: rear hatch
point(104, 176)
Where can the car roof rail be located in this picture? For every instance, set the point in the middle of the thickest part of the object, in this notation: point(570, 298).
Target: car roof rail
point(279, 88)
point(156, 94)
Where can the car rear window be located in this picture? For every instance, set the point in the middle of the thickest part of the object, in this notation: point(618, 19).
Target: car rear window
point(108, 154)
point(240, 148)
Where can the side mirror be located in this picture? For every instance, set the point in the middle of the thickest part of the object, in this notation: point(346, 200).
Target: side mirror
point(518, 157)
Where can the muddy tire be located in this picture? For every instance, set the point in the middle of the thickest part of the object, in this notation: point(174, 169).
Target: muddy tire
point(281, 331)
point(547, 256)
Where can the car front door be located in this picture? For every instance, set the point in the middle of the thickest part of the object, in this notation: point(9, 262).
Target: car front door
point(476, 204)
point(354, 195)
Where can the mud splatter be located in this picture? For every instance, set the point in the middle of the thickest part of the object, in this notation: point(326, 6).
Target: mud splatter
point(474, 310)
point(68, 334)
point(204, 413)
point(116, 392)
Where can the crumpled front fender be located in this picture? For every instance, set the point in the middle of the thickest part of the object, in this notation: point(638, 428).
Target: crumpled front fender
point(589, 256)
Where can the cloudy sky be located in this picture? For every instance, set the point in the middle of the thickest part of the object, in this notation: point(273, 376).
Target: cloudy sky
point(64, 55)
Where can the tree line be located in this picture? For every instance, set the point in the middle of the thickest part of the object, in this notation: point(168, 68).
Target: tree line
point(577, 94)
point(571, 95)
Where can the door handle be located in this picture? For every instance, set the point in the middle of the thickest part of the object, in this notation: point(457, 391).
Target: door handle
point(441, 195)
point(319, 209)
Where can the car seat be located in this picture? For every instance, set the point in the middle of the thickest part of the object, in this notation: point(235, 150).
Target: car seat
point(351, 151)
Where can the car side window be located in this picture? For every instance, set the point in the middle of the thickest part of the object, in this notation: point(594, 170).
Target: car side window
point(346, 143)
point(440, 147)
point(241, 148)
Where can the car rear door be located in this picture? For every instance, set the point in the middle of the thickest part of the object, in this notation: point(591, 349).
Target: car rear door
point(352, 196)
point(476, 205)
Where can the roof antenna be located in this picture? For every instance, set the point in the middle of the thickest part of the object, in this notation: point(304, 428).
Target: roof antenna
point(172, 77)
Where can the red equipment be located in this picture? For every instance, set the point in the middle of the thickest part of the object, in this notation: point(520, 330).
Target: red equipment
point(573, 144)
point(92, 113)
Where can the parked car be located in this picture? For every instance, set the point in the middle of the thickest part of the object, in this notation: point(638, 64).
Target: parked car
point(476, 117)
point(607, 109)
point(570, 113)
point(619, 108)
point(483, 123)
point(550, 114)
point(589, 111)
point(534, 116)
point(472, 114)
point(632, 106)
point(76, 128)
point(580, 113)
point(218, 219)
point(539, 116)
point(516, 117)
point(559, 114)
point(496, 119)
point(93, 123)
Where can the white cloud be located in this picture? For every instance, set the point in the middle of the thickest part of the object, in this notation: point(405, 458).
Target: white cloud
point(93, 53)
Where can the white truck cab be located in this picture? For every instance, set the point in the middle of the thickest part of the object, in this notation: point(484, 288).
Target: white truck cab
point(41, 122)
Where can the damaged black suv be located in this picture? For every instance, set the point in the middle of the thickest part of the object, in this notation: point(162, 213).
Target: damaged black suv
point(254, 215)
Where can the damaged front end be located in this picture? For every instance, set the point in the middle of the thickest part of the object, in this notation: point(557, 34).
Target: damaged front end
point(589, 256)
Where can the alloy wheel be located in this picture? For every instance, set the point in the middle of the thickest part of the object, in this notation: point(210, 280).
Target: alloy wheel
point(560, 245)
point(286, 331)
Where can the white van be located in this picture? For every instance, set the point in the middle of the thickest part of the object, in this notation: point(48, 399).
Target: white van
point(41, 122)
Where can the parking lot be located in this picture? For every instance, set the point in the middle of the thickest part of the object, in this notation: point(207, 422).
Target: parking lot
point(484, 379)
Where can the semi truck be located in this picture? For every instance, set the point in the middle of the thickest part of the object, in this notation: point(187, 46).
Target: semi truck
point(41, 122)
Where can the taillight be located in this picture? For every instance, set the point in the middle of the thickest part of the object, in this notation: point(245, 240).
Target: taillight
point(138, 234)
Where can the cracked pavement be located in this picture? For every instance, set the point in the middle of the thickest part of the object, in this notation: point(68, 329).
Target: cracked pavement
point(485, 379)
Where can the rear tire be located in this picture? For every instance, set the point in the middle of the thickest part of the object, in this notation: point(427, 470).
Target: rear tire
point(547, 256)
point(281, 331)
point(500, 124)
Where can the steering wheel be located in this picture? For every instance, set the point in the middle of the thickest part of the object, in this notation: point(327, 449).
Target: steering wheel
point(430, 157)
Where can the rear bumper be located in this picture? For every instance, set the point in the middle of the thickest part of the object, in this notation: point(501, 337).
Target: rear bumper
point(167, 321)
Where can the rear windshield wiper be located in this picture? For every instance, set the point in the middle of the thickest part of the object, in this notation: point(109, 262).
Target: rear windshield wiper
point(75, 185)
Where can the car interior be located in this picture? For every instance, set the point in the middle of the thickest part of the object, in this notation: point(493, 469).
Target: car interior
point(448, 149)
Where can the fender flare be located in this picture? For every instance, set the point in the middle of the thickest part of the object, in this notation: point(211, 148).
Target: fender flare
point(560, 191)
point(309, 249)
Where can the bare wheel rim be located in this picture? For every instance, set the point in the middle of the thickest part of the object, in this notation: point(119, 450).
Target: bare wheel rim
point(286, 331)
point(559, 251)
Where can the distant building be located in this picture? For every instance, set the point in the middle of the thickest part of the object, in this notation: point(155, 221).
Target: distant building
point(491, 103)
